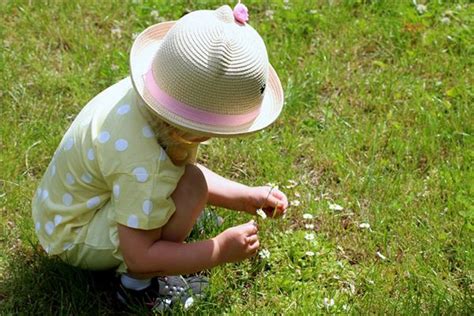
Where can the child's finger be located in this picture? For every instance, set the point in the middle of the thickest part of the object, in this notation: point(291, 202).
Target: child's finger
point(254, 247)
point(251, 227)
point(251, 239)
point(281, 199)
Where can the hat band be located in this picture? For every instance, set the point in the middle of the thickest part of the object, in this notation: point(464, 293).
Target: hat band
point(190, 113)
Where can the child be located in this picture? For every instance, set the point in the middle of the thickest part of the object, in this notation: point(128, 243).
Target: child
point(123, 190)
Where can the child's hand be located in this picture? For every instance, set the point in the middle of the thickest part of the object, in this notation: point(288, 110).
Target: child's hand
point(273, 204)
point(238, 243)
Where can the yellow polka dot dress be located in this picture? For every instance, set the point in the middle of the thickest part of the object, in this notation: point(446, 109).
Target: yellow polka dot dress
point(108, 159)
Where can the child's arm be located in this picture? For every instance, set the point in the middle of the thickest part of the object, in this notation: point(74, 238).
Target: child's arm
point(236, 196)
point(146, 255)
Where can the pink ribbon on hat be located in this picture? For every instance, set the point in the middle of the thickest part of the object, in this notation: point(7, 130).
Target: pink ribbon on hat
point(241, 13)
point(190, 113)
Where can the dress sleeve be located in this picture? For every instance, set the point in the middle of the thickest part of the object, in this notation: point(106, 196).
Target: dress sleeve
point(141, 198)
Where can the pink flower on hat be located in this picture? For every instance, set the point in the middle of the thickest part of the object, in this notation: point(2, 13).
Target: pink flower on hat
point(241, 13)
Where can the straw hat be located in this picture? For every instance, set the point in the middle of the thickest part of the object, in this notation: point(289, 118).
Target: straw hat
point(207, 73)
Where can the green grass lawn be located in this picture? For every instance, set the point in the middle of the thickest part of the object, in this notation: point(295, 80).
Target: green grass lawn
point(378, 119)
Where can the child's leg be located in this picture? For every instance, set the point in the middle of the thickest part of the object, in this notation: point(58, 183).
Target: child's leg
point(190, 197)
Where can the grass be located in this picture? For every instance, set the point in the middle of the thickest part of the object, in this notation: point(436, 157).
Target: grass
point(378, 119)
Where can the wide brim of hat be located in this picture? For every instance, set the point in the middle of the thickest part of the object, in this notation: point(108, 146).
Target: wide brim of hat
point(142, 53)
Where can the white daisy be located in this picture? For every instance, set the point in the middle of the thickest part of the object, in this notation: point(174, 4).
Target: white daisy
point(364, 225)
point(335, 207)
point(307, 216)
point(261, 213)
point(328, 302)
point(264, 254)
point(309, 236)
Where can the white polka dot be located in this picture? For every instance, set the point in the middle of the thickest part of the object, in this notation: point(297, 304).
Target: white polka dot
point(67, 246)
point(121, 144)
point(86, 177)
point(141, 174)
point(124, 109)
point(104, 137)
point(90, 154)
point(163, 155)
point(44, 194)
point(93, 202)
point(116, 190)
point(148, 132)
point(53, 170)
point(58, 219)
point(67, 199)
point(37, 226)
point(49, 228)
point(147, 207)
point(132, 221)
point(69, 143)
point(70, 178)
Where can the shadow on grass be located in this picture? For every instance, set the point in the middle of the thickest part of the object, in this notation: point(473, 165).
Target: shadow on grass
point(34, 284)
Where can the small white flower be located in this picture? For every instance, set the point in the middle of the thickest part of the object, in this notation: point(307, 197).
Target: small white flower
point(335, 207)
point(114, 67)
point(116, 32)
point(364, 225)
point(309, 253)
point(307, 216)
point(297, 194)
point(340, 264)
point(272, 185)
point(155, 14)
point(261, 213)
point(309, 236)
point(421, 8)
point(264, 254)
point(295, 203)
point(445, 20)
point(381, 256)
point(309, 226)
point(292, 184)
point(328, 302)
point(269, 14)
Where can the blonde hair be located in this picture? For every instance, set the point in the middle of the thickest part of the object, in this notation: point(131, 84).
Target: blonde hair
point(180, 150)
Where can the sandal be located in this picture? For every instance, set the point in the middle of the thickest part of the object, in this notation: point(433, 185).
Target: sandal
point(165, 292)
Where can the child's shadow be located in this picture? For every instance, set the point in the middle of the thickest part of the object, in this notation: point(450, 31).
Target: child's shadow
point(34, 284)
